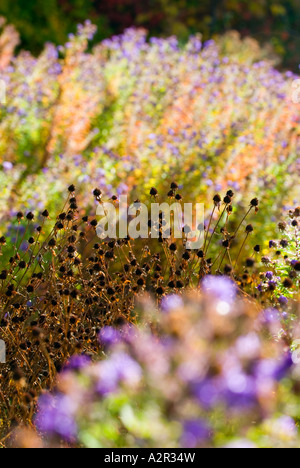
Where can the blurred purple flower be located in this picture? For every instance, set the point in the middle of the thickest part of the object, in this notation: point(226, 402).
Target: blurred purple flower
point(109, 336)
point(171, 302)
point(77, 363)
point(56, 417)
point(287, 426)
point(270, 316)
point(283, 300)
point(240, 390)
point(207, 392)
point(119, 368)
point(195, 433)
point(274, 369)
point(7, 166)
point(221, 287)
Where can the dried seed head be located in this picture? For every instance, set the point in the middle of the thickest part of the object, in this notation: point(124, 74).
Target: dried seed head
point(250, 262)
point(227, 269)
point(227, 200)
point(217, 199)
point(296, 266)
point(30, 216)
point(296, 213)
point(282, 226)
point(254, 202)
point(153, 192)
point(287, 283)
point(97, 193)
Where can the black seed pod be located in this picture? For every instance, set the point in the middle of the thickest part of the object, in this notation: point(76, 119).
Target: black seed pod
point(30, 216)
point(97, 193)
point(153, 192)
point(217, 199)
point(254, 202)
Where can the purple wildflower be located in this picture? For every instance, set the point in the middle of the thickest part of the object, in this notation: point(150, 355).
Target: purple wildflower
point(195, 433)
point(220, 287)
point(171, 302)
point(109, 336)
point(56, 417)
point(7, 166)
point(120, 368)
point(283, 300)
point(77, 363)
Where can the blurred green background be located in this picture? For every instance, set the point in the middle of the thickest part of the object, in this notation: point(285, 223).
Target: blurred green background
point(273, 21)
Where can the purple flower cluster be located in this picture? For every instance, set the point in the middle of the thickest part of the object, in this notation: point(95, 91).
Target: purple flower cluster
point(167, 387)
point(93, 126)
point(56, 417)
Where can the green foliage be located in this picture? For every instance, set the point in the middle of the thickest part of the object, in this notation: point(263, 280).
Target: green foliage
point(39, 21)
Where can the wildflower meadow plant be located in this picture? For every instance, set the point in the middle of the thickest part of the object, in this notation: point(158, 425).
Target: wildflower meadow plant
point(62, 284)
point(280, 283)
point(99, 116)
point(163, 384)
point(113, 340)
